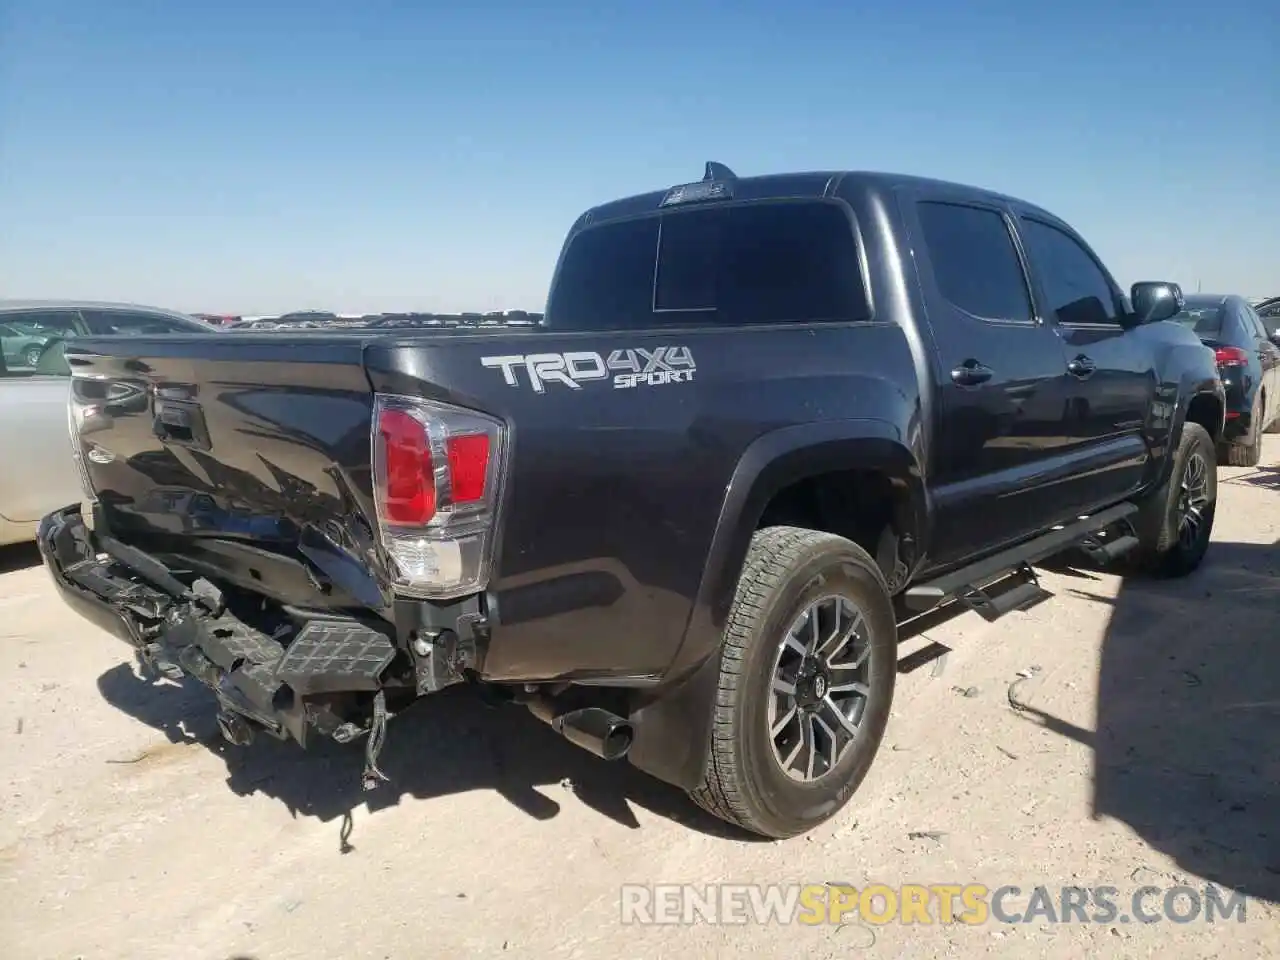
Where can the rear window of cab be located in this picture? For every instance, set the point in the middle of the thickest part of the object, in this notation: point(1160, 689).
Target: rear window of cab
point(764, 262)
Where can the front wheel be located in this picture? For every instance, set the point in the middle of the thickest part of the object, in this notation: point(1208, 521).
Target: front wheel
point(807, 673)
point(31, 357)
point(1175, 523)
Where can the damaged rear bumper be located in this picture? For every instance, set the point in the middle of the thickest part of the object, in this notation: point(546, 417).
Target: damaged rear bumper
point(321, 676)
point(310, 675)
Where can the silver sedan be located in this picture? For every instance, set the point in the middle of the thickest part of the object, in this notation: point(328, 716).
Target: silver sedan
point(37, 472)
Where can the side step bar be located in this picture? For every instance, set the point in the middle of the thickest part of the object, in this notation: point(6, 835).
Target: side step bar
point(967, 583)
point(1019, 591)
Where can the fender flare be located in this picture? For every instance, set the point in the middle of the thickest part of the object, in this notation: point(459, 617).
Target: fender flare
point(672, 720)
point(1191, 388)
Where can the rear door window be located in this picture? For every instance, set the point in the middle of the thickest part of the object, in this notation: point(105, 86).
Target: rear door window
point(975, 263)
point(757, 263)
point(124, 323)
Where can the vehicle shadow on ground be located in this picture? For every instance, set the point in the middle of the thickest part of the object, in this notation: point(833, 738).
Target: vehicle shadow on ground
point(449, 743)
point(19, 556)
point(1187, 745)
point(1266, 477)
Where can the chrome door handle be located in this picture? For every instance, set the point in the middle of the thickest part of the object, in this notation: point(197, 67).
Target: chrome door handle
point(971, 373)
point(1081, 367)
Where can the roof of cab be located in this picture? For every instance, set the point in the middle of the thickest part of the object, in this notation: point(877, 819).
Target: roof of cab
point(810, 184)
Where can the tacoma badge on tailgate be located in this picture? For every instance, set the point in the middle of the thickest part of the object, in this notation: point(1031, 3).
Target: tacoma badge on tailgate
point(631, 367)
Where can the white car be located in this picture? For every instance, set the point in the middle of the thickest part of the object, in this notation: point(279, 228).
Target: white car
point(39, 474)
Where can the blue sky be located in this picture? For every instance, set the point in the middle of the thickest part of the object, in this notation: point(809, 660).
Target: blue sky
point(259, 157)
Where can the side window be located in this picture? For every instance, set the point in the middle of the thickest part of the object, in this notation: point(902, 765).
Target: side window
point(1253, 323)
point(27, 338)
point(974, 261)
point(1077, 289)
point(760, 263)
point(124, 323)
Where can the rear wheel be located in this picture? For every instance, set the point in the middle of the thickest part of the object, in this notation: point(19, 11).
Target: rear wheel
point(1175, 523)
point(1248, 452)
point(806, 681)
point(31, 356)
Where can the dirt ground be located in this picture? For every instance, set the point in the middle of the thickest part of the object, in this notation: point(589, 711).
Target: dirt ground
point(1143, 752)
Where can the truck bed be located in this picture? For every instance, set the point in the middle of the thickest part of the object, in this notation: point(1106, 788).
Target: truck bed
point(613, 494)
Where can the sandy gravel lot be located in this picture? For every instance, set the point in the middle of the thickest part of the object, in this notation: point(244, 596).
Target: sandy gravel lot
point(1145, 752)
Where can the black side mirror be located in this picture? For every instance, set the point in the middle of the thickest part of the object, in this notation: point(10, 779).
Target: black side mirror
point(1156, 300)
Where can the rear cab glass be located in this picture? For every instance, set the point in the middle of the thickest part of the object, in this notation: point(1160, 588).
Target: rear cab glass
point(759, 262)
point(1205, 320)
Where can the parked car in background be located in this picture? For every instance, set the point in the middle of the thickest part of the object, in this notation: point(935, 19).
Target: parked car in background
point(35, 447)
point(308, 315)
point(1249, 361)
point(1268, 312)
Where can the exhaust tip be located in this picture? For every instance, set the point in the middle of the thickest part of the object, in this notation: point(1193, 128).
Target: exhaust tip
point(595, 729)
point(615, 744)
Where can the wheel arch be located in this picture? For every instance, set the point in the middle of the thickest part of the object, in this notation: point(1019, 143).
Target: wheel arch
point(672, 720)
point(1201, 400)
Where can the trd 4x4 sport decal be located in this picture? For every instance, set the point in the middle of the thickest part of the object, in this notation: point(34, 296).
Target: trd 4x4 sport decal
point(628, 368)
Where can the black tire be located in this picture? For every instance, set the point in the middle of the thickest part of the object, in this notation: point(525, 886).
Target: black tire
point(786, 570)
point(1247, 452)
point(31, 356)
point(1162, 551)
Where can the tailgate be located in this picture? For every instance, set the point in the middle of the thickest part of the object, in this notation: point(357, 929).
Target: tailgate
point(244, 457)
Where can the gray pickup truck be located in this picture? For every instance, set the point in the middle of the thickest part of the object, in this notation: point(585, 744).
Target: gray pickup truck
point(762, 422)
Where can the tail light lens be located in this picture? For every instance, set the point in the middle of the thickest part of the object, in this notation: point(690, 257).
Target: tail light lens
point(1231, 357)
point(437, 470)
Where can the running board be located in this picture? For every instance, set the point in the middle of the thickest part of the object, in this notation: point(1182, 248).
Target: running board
point(971, 579)
point(1024, 593)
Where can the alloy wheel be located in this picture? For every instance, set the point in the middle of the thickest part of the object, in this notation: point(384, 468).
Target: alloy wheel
point(1193, 498)
point(819, 688)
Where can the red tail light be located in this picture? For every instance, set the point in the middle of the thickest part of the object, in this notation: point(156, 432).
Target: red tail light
point(1231, 356)
point(409, 490)
point(468, 466)
point(436, 469)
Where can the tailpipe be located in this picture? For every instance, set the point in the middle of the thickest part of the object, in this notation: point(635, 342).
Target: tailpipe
point(595, 729)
